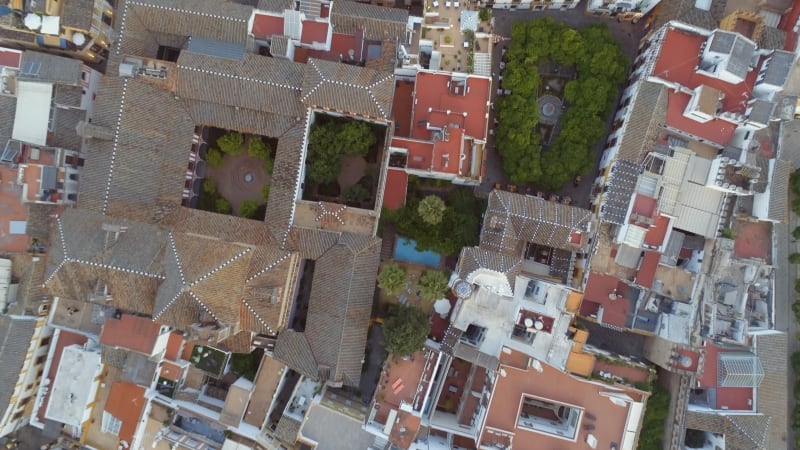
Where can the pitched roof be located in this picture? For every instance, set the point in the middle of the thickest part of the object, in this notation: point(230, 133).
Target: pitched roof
point(284, 182)
point(15, 338)
point(512, 220)
point(131, 332)
point(139, 174)
point(51, 68)
point(65, 133)
point(771, 350)
point(649, 113)
point(347, 88)
point(621, 186)
point(473, 259)
point(340, 305)
point(224, 21)
point(376, 22)
point(779, 191)
point(255, 82)
point(741, 431)
point(68, 95)
point(126, 402)
point(275, 5)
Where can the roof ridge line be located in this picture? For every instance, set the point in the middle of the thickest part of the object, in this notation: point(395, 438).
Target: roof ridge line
point(269, 267)
point(168, 305)
point(203, 305)
point(107, 194)
point(220, 267)
point(321, 79)
point(177, 258)
point(228, 75)
point(186, 11)
point(121, 269)
point(256, 315)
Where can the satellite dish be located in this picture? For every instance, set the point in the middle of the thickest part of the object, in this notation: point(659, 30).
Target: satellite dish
point(685, 361)
point(538, 325)
point(32, 21)
point(503, 372)
point(528, 322)
point(78, 39)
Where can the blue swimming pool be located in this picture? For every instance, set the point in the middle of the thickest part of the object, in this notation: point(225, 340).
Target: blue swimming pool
point(406, 250)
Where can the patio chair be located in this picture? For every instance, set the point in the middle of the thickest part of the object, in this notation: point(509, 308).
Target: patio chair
point(457, 4)
point(435, 4)
point(448, 4)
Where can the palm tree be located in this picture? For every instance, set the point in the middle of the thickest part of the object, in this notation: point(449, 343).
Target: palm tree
point(433, 285)
point(392, 279)
point(431, 209)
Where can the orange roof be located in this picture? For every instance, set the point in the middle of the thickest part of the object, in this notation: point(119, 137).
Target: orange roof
point(264, 26)
point(10, 58)
point(717, 130)
point(174, 346)
point(126, 402)
point(170, 371)
point(401, 108)
point(420, 153)
point(131, 332)
point(434, 99)
point(598, 291)
point(554, 385)
point(394, 196)
point(647, 270)
point(644, 205)
point(732, 398)
point(314, 31)
point(657, 232)
point(13, 211)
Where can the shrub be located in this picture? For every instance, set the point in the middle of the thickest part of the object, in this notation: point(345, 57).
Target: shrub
point(223, 206)
point(231, 143)
point(433, 285)
point(209, 186)
point(356, 193)
point(248, 208)
point(265, 192)
point(258, 148)
point(485, 14)
point(448, 39)
point(392, 278)
point(405, 330)
point(431, 209)
point(214, 157)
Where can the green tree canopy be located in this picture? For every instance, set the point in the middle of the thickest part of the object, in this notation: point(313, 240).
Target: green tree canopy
point(392, 279)
point(257, 148)
point(327, 143)
point(248, 208)
point(209, 186)
point(405, 330)
point(214, 157)
point(433, 285)
point(231, 143)
point(431, 209)
point(223, 206)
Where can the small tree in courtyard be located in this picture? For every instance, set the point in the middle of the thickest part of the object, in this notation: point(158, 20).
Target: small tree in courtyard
point(392, 279)
point(231, 143)
point(248, 208)
point(433, 285)
point(223, 206)
point(405, 330)
point(431, 209)
point(214, 158)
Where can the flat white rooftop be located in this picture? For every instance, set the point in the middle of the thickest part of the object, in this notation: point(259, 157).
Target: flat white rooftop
point(75, 386)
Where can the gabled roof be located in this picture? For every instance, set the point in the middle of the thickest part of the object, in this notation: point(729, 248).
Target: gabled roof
point(473, 259)
point(50, 68)
point(621, 186)
point(649, 113)
point(511, 220)
point(275, 5)
point(340, 305)
point(83, 255)
point(347, 88)
point(779, 189)
point(255, 82)
point(224, 21)
point(131, 332)
point(64, 128)
point(126, 401)
point(741, 431)
point(376, 22)
point(771, 350)
point(15, 338)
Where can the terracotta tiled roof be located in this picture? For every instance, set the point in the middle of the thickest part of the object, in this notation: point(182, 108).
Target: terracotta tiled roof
point(244, 120)
point(288, 429)
point(771, 350)
point(256, 82)
point(126, 402)
point(275, 5)
point(476, 258)
point(346, 88)
point(742, 432)
point(311, 243)
point(240, 342)
point(376, 22)
point(131, 332)
point(284, 182)
point(779, 191)
point(68, 95)
point(648, 115)
point(15, 338)
point(338, 315)
point(64, 128)
point(224, 21)
point(511, 220)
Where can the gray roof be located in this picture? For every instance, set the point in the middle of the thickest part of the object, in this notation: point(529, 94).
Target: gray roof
point(77, 14)
point(352, 89)
point(761, 111)
point(620, 188)
point(279, 44)
point(780, 64)
point(376, 22)
point(741, 56)
point(771, 350)
point(275, 5)
point(68, 96)
point(511, 220)
point(338, 315)
point(285, 178)
point(49, 68)
point(64, 128)
point(779, 191)
point(673, 249)
point(8, 110)
point(220, 20)
point(742, 432)
point(722, 41)
point(217, 48)
point(255, 82)
point(772, 38)
point(473, 259)
point(649, 113)
point(16, 335)
point(685, 11)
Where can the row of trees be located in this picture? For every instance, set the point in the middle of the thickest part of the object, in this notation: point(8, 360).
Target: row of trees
point(232, 143)
point(432, 284)
point(601, 67)
point(652, 435)
point(329, 140)
point(442, 225)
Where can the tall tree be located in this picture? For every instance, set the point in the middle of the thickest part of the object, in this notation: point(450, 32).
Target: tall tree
point(431, 209)
point(392, 278)
point(405, 330)
point(433, 285)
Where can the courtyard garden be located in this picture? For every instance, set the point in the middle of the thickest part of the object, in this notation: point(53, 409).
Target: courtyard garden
point(209, 360)
point(563, 84)
point(343, 161)
point(238, 180)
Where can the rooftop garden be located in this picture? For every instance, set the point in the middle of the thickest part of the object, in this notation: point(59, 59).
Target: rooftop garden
point(209, 360)
point(551, 67)
point(343, 161)
point(238, 180)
